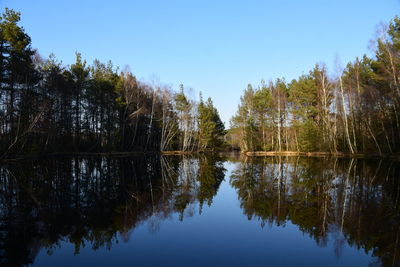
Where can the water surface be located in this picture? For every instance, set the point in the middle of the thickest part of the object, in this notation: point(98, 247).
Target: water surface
point(200, 211)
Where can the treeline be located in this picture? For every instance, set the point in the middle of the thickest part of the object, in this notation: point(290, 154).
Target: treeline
point(358, 111)
point(48, 107)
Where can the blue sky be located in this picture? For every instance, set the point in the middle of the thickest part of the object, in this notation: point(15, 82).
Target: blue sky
point(213, 46)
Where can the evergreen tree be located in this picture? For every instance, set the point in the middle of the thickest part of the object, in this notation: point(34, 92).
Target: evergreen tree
point(211, 128)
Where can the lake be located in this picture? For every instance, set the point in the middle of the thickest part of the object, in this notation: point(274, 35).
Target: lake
point(200, 211)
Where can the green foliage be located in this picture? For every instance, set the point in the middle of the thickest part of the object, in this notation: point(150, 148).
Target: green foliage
point(50, 107)
point(13, 34)
point(358, 111)
point(182, 103)
point(47, 107)
point(211, 128)
point(309, 136)
point(244, 120)
point(303, 95)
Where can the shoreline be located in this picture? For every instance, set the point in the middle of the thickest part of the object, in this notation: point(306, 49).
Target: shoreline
point(100, 154)
point(320, 154)
point(181, 153)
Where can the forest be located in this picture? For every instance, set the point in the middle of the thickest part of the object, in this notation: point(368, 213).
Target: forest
point(357, 110)
point(46, 107)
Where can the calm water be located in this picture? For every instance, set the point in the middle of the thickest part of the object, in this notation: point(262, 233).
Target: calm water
point(200, 211)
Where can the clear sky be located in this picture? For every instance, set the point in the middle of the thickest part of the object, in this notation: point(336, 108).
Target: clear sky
point(213, 46)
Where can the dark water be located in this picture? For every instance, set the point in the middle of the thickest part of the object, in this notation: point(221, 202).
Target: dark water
point(200, 211)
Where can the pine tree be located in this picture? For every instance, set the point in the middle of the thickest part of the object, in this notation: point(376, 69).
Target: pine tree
point(211, 128)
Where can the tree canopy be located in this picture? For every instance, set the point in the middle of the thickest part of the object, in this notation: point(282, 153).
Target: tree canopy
point(355, 111)
point(46, 107)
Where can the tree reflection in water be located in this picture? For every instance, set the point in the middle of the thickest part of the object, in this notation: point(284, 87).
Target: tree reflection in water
point(96, 202)
point(357, 200)
point(92, 201)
